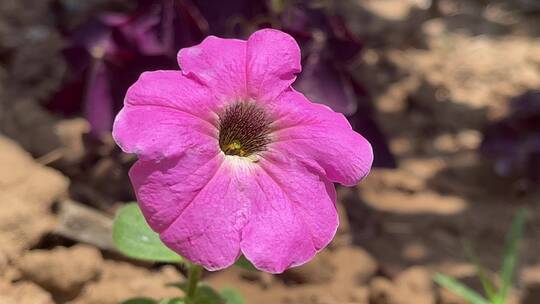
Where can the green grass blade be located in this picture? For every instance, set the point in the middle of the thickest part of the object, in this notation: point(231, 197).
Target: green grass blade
point(487, 284)
point(459, 289)
point(511, 252)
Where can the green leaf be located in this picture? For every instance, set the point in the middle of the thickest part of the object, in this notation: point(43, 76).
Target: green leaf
point(204, 294)
point(459, 289)
point(232, 296)
point(140, 301)
point(207, 295)
point(244, 263)
point(134, 238)
point(487, 285)
point(511, 253)
point(172, 301)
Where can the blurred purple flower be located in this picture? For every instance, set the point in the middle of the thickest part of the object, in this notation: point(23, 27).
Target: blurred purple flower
point(109, 52)
point(329, 47)
point(514, 142)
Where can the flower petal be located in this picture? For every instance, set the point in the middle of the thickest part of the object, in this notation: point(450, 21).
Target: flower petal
point(293, 218)
point(159, 133)
point(207, 232)
point(218, 63)
point(172, 89)
point(273, 59)
point(164, 115)
point(320, 138)
point(165, 188)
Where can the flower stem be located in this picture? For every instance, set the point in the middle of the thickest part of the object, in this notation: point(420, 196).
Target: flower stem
point(194, 274)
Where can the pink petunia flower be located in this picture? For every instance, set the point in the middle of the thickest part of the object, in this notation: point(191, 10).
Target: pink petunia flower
point(233, 160)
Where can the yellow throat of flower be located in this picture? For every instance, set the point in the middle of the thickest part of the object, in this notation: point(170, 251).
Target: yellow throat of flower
point(234, 148)
point(244, 129)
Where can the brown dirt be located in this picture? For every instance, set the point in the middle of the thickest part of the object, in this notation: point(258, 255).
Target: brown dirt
point(23, 293)
point(27, 192)
point(437, 77)
point(61, 271)
point(119, 281)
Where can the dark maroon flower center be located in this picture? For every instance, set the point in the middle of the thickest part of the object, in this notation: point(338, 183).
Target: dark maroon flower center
point(244, 129)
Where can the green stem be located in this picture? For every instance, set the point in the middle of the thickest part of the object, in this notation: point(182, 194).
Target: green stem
point(194, 274)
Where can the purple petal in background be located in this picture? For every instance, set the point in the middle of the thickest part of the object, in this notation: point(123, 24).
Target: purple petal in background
point(296, 22)
point(344, 44)
point(138, 32)
point(321, 82)
point(363, 121)
point(232, 18)
point(514, 142)
point(67, 100)
point(98, 100)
